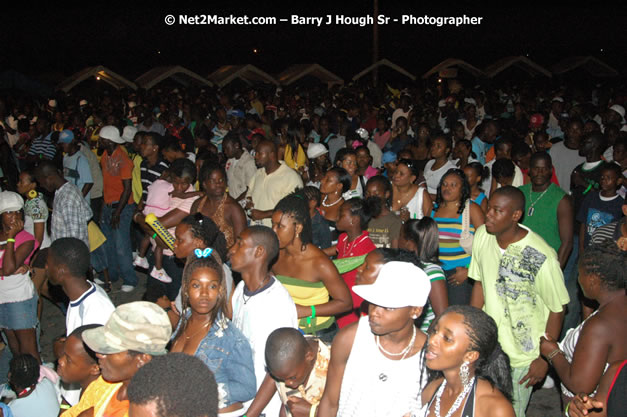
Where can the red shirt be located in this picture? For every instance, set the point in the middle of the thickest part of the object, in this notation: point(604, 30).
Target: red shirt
point(345, 249)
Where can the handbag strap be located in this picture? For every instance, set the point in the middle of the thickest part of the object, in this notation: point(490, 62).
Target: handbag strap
point(466, 221)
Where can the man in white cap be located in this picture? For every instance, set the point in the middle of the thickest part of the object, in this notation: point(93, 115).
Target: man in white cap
point(75, 164)
point(134, 333)
point(553, 126)
point(379, 356)
point(240, 166)
point(117, 171)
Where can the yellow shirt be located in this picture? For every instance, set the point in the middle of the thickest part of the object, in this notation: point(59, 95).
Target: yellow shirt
point(97, 395)
point(136, 181)
point(301, 158)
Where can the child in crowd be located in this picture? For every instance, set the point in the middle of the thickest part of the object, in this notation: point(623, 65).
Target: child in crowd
point(354, 241)
point(158, 203)
point(602, 207)
point(475, 173)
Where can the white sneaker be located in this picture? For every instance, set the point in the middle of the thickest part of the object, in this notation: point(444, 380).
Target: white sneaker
point(98, 281)
point(160, 275)
point(141, 262)
point(548, 383)
point(127, 288)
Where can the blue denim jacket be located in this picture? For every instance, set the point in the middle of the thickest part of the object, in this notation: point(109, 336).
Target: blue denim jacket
point(227, 353)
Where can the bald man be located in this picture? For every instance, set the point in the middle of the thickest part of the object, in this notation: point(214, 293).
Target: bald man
point(298, 365)
point(272, 181)
point(519, 282)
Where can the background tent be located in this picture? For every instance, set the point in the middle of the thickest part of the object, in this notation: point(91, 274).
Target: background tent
point(299, 71)
point(519, 62)
point(249, 74)
point(177, 73)
point(449, 69)
point(385, 63)
point(589, 64)
point(13, 80)
point(99, 73)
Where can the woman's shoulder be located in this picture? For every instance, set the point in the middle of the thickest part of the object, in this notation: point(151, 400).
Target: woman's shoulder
point(490, 402)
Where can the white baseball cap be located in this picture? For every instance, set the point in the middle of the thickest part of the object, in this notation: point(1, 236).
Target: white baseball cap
point(10, 201)
point(315, 150)
point(129, 133)
point(111, 133)
point(620, 110)
point(399, 284)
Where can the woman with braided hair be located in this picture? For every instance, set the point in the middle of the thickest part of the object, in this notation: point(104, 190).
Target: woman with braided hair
point(469, 374)
point(586, 351)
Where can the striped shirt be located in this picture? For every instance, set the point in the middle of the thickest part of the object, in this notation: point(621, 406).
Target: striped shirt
point(150, 174)
point(452, 254)
point(610, 231)
point(435, 273)
point(43, 147)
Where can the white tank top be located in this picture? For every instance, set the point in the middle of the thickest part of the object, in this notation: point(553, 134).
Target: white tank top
point(374, 385)
point(415, 204)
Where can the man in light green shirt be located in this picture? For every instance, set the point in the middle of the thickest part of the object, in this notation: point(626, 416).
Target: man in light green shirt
point(519, 283)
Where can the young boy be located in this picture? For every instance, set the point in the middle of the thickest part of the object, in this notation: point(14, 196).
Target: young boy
point(602, 207)
point(77, 365)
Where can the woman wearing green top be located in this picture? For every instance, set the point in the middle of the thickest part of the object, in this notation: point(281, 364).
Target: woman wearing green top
point(306, 272)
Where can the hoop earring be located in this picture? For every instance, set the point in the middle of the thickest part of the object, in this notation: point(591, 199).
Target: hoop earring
point(464, 373)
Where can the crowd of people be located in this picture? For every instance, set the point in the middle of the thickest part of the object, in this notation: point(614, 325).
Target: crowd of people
point(316, 252)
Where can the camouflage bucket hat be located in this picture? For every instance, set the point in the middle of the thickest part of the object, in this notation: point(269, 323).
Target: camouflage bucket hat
point(140, 326)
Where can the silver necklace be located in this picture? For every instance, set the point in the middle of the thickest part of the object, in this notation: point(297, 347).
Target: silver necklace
point(324, 202)
point(403, 352)
point(531, 210)
point(458, 400)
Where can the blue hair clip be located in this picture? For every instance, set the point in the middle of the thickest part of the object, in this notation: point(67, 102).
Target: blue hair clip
point(203, 253)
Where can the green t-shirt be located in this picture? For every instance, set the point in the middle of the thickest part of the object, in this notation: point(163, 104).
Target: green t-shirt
point(521, 286)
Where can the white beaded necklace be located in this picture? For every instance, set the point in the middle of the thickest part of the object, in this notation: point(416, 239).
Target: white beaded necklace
point(458, 400)
point(403, 352)
point(324, 202)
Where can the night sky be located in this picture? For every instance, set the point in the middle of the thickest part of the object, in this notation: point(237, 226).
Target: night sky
point(131, 41)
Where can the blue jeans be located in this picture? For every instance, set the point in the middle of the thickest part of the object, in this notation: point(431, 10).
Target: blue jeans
point(118, 244)
point(571, 274)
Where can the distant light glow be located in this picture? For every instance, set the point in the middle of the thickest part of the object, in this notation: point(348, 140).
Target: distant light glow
point(98, 78)
point(439, 80)
point(159, 52)
point(255, 50)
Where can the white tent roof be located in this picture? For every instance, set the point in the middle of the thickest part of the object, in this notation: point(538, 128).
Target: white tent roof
point(298, 71)
point(520, 62)
point(454, 62)
point(385, 62)
point(250, 74)
point(176, 72)
point(590, 64)
point(99, 72)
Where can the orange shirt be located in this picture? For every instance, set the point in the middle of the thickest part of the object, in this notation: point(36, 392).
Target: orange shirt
point(115, 168)
point(116, 408)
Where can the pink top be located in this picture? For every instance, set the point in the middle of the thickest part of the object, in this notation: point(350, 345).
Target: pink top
point(158, 200)
point(20, 238)
point(381, 138)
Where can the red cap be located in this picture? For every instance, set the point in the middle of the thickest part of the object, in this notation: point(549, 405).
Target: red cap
point(536, 120)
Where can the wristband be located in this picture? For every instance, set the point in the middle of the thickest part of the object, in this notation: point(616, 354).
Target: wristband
point(313, 312)
point(13, 241)
point(587, 189)
point(154, 236)
point(566, 409)
point(551, 355)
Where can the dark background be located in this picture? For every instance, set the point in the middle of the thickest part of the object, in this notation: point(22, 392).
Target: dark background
point(131, 40)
